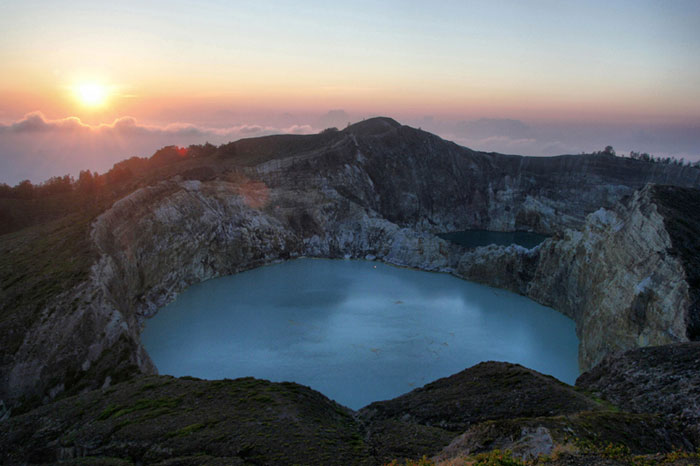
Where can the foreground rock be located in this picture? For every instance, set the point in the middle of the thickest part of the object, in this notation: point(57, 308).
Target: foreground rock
point(451, 405)
point(660, 379)
point(489, 390)
point(163, 420)
point(577, 434)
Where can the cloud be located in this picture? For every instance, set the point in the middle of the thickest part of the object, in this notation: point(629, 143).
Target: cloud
point(492, 127)
point(299, 129)
point(37, 148)
point(546, 139)
point(36, 122)
point(334, 118)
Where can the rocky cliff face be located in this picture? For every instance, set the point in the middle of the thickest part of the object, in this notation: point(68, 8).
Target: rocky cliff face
point(376, 189)
point(416, 179)
point(623, 286)
point(618, 277)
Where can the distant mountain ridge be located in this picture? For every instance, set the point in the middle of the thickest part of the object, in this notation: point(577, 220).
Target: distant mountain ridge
point(398, 157)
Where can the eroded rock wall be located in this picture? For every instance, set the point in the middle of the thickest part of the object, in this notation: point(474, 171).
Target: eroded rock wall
point(617, 278)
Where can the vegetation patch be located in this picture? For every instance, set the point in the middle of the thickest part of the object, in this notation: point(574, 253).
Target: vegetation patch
point(187, 430)
point(145, 404)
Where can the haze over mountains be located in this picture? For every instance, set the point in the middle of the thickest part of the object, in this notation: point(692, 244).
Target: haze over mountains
point(36, 147)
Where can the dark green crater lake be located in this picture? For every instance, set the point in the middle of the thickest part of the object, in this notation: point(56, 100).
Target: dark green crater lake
point(357, 331)
point(476, 238)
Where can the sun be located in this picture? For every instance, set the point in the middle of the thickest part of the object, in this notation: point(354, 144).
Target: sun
point(91, 94)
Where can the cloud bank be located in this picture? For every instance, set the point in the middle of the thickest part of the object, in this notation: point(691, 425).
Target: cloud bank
point(546, 139)
point(37, 148)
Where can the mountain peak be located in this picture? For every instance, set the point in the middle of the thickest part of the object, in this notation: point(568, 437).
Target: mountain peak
point(373, 126)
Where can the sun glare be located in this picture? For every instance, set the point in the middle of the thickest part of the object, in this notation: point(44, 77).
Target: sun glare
point(91, 94)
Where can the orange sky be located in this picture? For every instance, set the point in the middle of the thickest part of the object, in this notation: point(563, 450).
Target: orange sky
point(281, 65)
point(548, 61)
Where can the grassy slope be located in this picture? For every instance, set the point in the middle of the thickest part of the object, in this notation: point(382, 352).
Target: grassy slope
point(166, 420)
point(153, 419)
point(37, 264)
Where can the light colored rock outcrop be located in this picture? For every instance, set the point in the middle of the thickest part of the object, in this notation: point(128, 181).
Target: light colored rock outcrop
point(616, 278)
point(624, 289)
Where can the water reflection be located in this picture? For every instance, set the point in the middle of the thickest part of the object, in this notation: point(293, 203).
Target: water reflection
point(477, 238)
point(357, 331)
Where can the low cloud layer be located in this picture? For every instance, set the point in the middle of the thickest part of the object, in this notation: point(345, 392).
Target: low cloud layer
point(517, 137)
point(37, 148)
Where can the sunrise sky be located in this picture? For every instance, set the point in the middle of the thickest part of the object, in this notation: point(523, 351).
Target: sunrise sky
point(85, 84)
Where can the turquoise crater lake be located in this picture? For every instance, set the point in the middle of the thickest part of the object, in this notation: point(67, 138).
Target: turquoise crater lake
point(357, 331)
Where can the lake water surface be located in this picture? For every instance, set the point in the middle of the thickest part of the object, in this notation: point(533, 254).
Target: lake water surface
point(357, 331)
point(476, 238)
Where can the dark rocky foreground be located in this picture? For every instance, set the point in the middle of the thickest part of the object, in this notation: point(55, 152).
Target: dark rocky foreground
point(168, 421)
point(657, 379)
